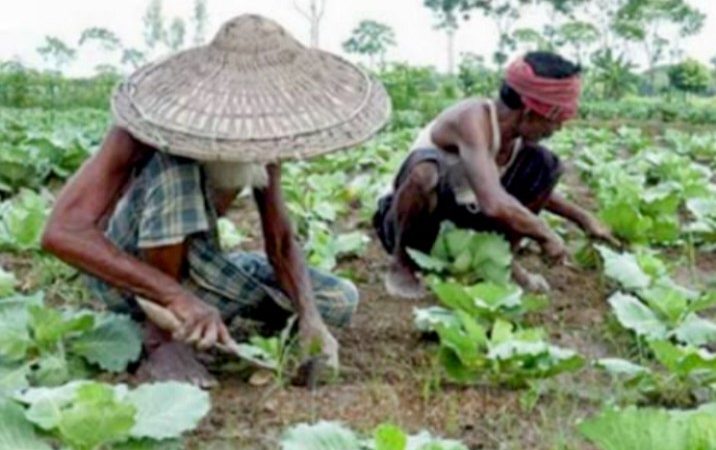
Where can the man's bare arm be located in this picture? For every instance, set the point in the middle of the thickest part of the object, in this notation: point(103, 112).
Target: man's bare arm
point(291, 270)
point(281, 248)
point(73, 232)
point(557, 204)
point(464, 132)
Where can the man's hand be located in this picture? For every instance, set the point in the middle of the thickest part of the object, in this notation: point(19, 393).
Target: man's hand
point(316, 340)
point(554, 249)
point(597, 230)
point(202, 324)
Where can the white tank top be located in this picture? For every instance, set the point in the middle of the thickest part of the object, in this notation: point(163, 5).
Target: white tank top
point(457, 178)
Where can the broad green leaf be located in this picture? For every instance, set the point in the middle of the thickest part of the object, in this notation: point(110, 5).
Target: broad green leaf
point(456, 241)
point(454, 296)
point(16, 433)
point(461, 264)
point(501, 332)
point(696, 331)
point(389, 437)
point(23, 221)
point(50, 370)
point(7, 283)
point(704, 301)
point(14, 334)
point(670, 303)
point(49, 325)
point(112, 344)
point(636, 429)
point(623, 268)
point(427, 262)
point(428, 319)
point(667, 354)
point(13, 377)
point(424, 441)
point(456, 339)
point(494, 296)
point(45, 404)
point(636, 316)
point(96, 417)
point(455, 368)
point(320, 436)
point(473, 330)
point(622, 367)
point(166, 410)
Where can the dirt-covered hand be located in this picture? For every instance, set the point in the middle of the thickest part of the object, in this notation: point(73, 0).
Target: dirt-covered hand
point(597, 230)
point(316, 340)
point(554, 250)
point(202, 325)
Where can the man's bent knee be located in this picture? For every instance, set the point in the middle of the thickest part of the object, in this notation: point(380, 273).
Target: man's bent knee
point(424, 176)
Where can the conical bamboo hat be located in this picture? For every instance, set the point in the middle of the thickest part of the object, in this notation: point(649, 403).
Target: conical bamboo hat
point(254, 94)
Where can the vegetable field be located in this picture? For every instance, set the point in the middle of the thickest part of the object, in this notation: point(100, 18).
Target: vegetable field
point(621, 341)
point(620, 354)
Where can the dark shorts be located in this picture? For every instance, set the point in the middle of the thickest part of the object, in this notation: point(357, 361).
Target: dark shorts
point(531, 179)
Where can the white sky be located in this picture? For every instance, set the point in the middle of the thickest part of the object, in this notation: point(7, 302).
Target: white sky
point(24, 23)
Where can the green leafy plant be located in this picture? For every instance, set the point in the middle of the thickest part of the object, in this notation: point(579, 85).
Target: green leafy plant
point(334, 436)
point(87, 415)
point(659, 308)
point(22, 220)
point(505, 355)
point(654, 429)
point(45, 346)
point(467, 256)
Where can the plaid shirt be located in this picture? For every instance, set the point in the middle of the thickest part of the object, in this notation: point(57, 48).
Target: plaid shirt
point(168, 202)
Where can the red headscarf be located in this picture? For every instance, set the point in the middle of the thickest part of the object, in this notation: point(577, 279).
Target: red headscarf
point(556, 99)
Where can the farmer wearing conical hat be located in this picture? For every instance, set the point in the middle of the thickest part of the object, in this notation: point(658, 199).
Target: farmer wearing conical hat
point(479, 165)
point(191, 131)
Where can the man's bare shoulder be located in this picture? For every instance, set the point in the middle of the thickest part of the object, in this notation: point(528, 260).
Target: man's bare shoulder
point(461, 118)
point(121, 151)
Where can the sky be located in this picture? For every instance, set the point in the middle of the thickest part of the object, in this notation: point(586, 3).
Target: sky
point(25, 23)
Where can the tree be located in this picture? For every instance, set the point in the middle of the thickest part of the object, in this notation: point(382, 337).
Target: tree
point(448, 14)
point(656, 24)
point(176, 34)
point(690, 76)
point(133, 58)
point(105, 38)
point(579, 35)
point(505, 15)
point(613, 73)
point(314, 15)
point(532, 38)
point(200, 20)
point(559, 12)
point(475, 78)
point(370, 38)
point(56, 52)
point(153, 20)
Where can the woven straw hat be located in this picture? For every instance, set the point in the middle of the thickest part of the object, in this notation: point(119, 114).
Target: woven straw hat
point(254, 94)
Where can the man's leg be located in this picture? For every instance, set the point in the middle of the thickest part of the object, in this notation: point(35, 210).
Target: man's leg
point(414, 224)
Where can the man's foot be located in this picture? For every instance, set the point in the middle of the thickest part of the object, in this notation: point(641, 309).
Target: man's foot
point(531, 282)
point(175, 361)
point(402, 282)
